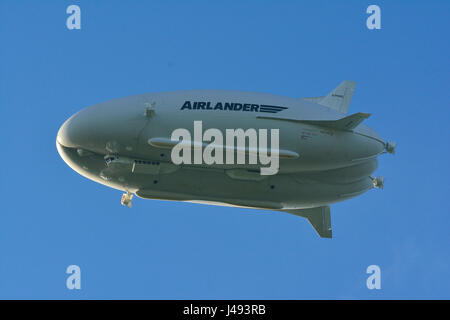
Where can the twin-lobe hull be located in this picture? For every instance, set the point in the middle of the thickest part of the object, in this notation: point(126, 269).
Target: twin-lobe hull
point(285, 154)
point(162, 180)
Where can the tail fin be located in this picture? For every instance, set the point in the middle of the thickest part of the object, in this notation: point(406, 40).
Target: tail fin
point(346, 123)
point(338, 99)
point(319, 218)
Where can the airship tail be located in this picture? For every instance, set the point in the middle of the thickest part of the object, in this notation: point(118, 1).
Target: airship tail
point(319, 218)
point(346, 123)
point(338, 99)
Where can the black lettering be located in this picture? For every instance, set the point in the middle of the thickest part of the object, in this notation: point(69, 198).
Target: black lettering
point(221, 106)
point(186, 105)
point(229, 106)
point(237, 106)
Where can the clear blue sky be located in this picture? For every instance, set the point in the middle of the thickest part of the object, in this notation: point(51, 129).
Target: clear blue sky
point(51, 217)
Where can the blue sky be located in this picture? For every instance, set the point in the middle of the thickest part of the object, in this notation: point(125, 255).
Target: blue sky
point(51, 217)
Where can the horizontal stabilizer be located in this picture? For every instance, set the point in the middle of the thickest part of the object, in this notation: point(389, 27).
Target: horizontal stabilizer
point(338, 99)
point(347, 123)
point(319, 218)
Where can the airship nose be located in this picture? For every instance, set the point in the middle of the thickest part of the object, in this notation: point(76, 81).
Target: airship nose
point(110, 127)
point(66, 134)
point(70, 140)
point(83, 130)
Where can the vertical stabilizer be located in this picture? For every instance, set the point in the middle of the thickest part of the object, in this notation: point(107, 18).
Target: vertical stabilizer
point(319, 218)
point(338, 99)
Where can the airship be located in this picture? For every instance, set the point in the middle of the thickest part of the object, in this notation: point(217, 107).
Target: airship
point(231, 148)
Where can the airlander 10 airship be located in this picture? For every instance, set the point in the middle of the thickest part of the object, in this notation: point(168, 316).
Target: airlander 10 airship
point(244, 149)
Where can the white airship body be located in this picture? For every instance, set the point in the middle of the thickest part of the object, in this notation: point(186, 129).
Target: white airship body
point(255, 150)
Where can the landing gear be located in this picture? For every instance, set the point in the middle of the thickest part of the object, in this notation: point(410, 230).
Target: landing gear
point(126, 199)
point(378, 182)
